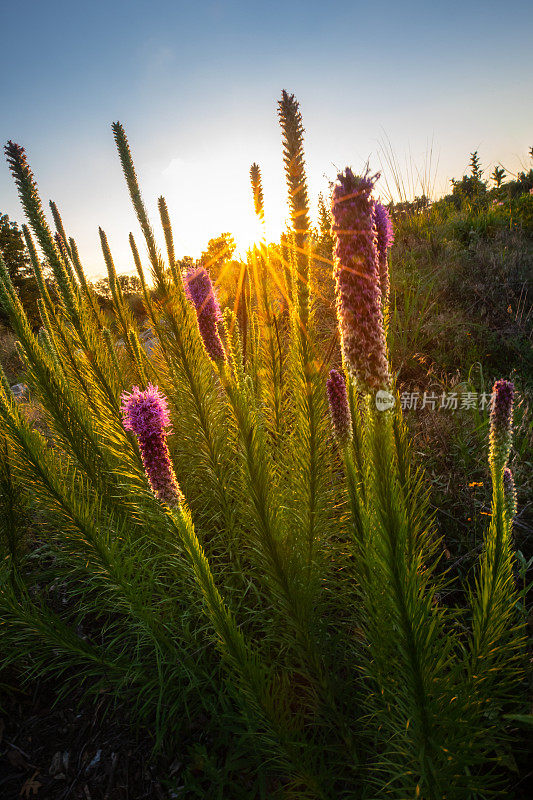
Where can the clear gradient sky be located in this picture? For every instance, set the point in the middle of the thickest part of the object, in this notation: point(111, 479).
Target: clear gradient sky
point(196, 86)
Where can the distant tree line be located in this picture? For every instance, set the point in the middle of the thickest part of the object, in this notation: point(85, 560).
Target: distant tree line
point(18, 264)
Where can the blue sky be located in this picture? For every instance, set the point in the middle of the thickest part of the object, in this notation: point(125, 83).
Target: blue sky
point(196, 86)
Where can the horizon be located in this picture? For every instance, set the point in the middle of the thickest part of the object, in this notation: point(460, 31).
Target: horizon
point(415, 79)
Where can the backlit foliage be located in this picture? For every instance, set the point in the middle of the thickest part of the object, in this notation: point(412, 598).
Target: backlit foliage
point(247, 563)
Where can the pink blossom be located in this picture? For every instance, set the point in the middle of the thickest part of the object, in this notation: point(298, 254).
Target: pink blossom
point(339, 408)
point(359, 299)
point(146, 415)
point(200, 292)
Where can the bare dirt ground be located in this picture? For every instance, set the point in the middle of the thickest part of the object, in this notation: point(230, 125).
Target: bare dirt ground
point(71, 752)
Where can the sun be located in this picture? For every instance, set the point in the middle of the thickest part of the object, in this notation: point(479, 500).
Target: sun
point(247, 232)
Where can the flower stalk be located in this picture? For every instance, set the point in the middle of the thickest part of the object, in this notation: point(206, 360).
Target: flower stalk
point(200, 292)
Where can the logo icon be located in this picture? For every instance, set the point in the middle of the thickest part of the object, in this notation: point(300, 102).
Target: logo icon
point(384, 400)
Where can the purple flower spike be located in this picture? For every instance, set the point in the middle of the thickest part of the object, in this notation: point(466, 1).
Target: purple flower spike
point(357, 281)
point(146, 415)
point(338, 407)
point(385, 232)
point(200, 292)
point(501, 424)
point(509, 493)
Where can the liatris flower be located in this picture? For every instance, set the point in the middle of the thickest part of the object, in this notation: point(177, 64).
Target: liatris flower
point(200, 291)
point(257, 189)
point(509, 493)
point(146, 415)
point(338, 407)
point(501, 424)
point(385, 233)
point(357, 281)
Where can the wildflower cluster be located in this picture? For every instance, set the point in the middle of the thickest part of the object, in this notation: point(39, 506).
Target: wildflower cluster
point(338, 407)
point(146, 415)
point(312, 571)
point(200, 291)
point(359, 297)
point(501, 422)
point(385, 238)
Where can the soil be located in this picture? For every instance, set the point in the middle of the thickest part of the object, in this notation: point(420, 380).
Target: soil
point(70, 751)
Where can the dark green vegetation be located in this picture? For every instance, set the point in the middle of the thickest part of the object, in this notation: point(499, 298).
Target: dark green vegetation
point(18, 265)
point(312, 635)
